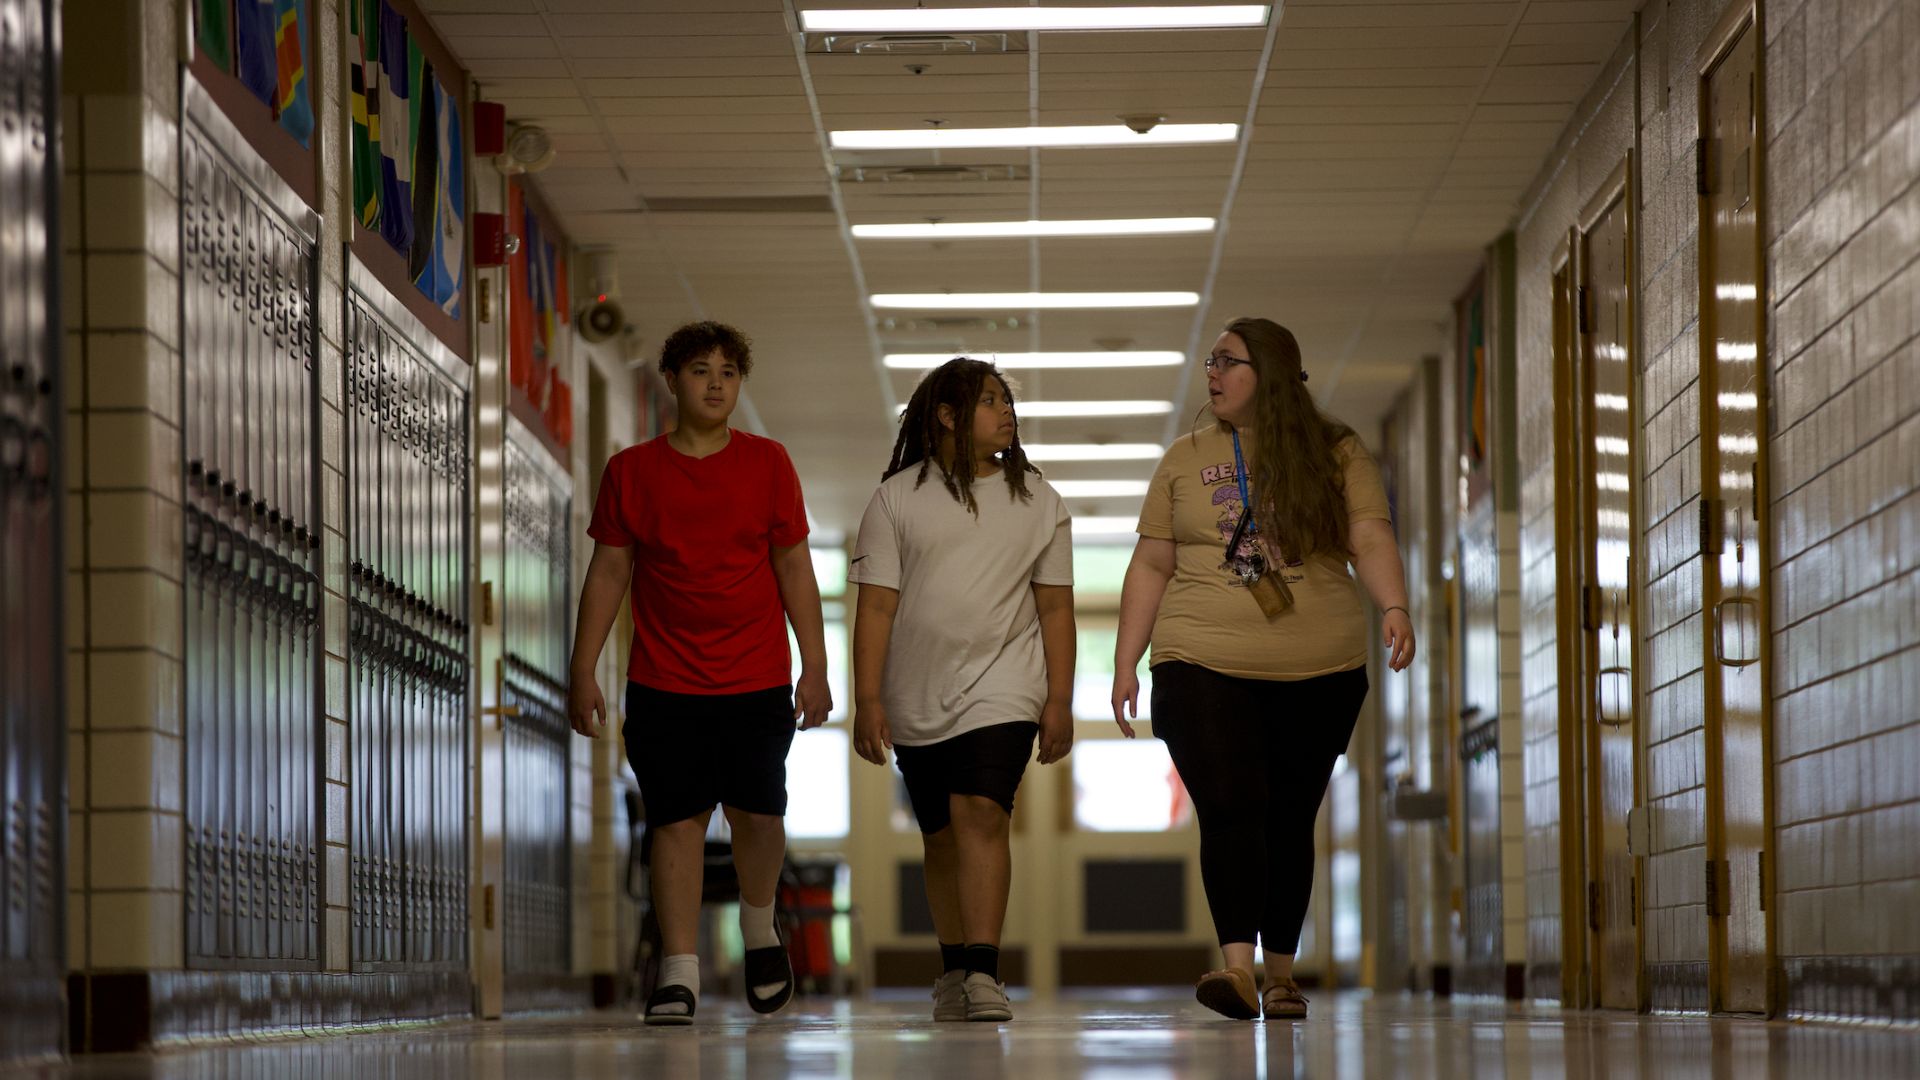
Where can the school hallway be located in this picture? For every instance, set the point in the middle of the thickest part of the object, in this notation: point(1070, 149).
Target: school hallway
point(328, 328)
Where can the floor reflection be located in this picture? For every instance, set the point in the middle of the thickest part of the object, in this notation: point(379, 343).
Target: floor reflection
point(1132, 1037)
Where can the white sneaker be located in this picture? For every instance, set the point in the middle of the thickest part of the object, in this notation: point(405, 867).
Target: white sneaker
point(987, 998)
point(950, 996)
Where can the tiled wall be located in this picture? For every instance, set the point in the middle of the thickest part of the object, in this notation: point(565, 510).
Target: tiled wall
point(1673, 735)
point(124, 590)
point(336, 198)
point(1843, 228)
point(1843, 232)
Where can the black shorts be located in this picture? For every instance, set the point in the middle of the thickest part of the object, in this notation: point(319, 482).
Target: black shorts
point(691, 751)
point(986, 761)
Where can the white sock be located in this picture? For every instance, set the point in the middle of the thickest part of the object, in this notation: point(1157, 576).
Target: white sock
point(756, 926)
point(757, 932)
point(681, 970)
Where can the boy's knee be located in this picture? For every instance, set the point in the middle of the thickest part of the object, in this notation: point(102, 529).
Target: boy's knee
point(749, 822)
point(977, 814)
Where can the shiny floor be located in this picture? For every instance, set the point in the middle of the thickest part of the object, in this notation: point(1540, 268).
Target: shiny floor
point(1140, 1036)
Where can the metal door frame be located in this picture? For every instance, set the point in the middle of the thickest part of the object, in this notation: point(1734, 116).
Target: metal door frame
point(1570, 661)
point(1745, 17)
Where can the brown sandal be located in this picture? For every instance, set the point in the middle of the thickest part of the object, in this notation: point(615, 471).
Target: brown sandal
point(1284, 1001)
point(1228, 992)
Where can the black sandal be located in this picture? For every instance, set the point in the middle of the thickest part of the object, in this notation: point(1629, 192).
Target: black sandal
point(770, 964)
point(671, 994)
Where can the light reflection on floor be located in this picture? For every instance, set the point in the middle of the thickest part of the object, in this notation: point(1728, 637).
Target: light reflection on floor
point(1158, 1035)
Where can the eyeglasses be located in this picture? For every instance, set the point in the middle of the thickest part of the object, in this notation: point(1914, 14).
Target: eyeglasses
point(1222, 364)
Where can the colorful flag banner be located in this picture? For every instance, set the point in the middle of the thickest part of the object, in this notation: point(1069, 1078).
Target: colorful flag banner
point(363, 61)
point(450, 215)
point(214, 31)
point(253, 36)
point(396, 141)
point(292, 101)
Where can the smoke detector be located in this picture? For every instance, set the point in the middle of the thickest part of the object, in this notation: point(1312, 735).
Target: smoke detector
point(529, 150)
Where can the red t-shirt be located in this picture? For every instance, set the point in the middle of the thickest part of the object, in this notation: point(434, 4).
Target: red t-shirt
point(707, 615)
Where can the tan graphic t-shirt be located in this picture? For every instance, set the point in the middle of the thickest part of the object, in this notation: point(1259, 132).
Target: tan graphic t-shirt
point(1206, 616)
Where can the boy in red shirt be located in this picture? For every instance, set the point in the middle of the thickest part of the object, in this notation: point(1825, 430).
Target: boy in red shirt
point(706, 526)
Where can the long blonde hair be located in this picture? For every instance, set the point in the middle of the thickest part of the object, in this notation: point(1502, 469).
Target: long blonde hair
point(1298, 481)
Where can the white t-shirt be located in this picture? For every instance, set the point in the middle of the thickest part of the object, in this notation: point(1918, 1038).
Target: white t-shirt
point(965, 651)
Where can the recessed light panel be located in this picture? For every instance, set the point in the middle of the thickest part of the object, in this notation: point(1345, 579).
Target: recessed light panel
point(972, 19)
point(1020, 138)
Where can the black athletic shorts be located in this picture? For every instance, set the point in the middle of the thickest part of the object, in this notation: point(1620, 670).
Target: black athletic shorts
point(691, 751)
point(986, 761)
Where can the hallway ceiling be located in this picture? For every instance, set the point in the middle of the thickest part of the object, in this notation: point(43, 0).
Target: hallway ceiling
point(1385, 144)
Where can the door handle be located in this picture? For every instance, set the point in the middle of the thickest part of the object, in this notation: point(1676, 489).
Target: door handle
point(499, 712)
point(1599, 691)
point(1720, 629)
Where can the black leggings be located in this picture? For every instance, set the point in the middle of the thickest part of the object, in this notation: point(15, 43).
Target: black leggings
point(1255, 755)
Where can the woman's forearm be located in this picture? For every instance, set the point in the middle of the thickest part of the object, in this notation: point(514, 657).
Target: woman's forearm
point(1140, 595)
point(1376, 562)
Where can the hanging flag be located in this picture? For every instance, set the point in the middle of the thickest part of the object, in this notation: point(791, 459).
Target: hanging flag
point(396, 141)
point(253, 26)
point(426, 172)
point(540, 281)
point(214, 30)
point(450, 218)
point(520, 296)
point(292, 103)
point(363, 21)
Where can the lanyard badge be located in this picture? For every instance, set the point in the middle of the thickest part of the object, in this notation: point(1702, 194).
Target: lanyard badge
point(1255, 565)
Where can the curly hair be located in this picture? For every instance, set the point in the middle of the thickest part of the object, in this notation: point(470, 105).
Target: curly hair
point(697, 339)
point(1297, 463)
point(955, 384)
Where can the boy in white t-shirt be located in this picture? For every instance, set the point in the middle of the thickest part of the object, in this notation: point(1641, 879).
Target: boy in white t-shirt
point(963, 644)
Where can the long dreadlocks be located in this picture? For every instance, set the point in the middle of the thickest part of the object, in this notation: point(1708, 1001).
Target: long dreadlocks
point(957, 385)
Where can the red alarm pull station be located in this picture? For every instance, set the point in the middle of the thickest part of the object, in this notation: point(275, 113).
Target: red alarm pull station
point(489, 240)
point(489, 128)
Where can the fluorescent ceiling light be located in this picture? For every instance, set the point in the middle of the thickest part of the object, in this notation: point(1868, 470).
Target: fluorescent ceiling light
point(1001, 138)
point(1017, 301)
point(1104, 526)
point(1043, 409)
point(1033, 360)
point(1033, 409)
point(1093, 451)
point(964, 20)
point(986, 230)
point(1099, 489)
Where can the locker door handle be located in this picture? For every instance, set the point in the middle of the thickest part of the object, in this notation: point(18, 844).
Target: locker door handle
point(1720, 630)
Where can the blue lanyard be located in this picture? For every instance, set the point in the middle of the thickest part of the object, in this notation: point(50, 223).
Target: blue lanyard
point(1240, 475)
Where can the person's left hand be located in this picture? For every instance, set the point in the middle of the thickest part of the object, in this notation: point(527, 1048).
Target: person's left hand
point(1056, 731)
point(812, 701)
point(1396, 632)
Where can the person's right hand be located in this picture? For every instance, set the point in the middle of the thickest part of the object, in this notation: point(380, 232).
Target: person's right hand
point(586, 709)
point(872, 735)
point(1126, 699)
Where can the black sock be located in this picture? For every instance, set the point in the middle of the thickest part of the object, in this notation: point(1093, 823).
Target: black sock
point(984, 959)
point(952, 957)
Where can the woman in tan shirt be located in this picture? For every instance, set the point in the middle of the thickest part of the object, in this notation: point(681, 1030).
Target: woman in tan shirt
point(1259, 639)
